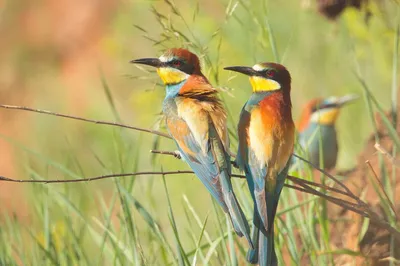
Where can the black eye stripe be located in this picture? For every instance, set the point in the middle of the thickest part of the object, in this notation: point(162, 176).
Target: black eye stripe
point(180, 64)
point(176, 63)
point(270, 73)
point(323, 106)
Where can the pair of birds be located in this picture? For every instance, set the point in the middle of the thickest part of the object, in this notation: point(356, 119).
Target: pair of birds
point(196, 119)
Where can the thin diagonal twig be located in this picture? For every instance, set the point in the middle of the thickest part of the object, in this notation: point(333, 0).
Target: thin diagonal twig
point(291, 178)
point(6, 179)
point(350, 205)
point(303, 181)
point(382, 188)
point(172, 153)
point(305, 188)
point(349, 192)
point(362, 208)
point(100, 122)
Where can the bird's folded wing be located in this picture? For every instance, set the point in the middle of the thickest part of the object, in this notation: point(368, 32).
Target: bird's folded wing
point(193, 139)
point(246, 155)
point(256, 169)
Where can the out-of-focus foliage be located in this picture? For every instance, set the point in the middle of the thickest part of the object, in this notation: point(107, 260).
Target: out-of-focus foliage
point(72, 57)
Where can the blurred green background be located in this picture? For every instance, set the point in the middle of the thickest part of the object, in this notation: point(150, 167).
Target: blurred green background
point(73, 57)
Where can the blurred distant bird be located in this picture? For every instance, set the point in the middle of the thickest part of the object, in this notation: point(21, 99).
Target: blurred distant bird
point(317, 129)
point(196, 120)
point(266, 137)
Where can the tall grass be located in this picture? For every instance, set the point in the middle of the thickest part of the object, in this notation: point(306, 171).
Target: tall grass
point(171, 220)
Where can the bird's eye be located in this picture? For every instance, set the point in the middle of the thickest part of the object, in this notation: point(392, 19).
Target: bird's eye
point(270, 73)
point(176, 63)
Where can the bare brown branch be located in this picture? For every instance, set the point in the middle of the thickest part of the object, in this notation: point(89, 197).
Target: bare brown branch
point(303, 181)
point(360, 207)
point(176, 155)
point(348, 191)
point(100, 122)
point(302, 185)
point(6, 179)
point(291, 178)
point(304, 188)
point(307, 189)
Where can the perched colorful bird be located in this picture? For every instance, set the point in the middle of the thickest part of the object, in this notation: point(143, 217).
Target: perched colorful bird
point(196, 120)
point(266, 138)
point(317, 130)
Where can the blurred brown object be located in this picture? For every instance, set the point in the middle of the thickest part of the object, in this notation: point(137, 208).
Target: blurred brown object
point(332, 8)
point(376, 244)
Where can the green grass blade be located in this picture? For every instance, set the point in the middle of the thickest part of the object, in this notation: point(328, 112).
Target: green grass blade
point(183, 259)
point(199, 241)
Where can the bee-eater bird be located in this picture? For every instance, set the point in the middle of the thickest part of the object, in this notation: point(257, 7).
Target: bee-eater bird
point(317, 130)
point(196, 120)
point(266, 137)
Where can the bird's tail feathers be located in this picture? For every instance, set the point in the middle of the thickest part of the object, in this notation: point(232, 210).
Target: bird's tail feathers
point(263, 230)
point(252, 253)
point(262, 208)
point(237, 216)
point(266, 249)
point(263, 252)
point(238, 219)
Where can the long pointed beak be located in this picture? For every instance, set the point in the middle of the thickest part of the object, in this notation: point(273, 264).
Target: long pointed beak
point(249, 71)
point(155, 62)
point(347, 99)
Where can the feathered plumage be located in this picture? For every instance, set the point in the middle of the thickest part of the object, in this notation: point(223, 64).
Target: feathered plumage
point(266, 137)
point(196, 120)
point(317, 130)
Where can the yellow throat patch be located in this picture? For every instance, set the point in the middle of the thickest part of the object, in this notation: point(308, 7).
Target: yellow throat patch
point(326, 117)
point(263, 84)
point(171, 76)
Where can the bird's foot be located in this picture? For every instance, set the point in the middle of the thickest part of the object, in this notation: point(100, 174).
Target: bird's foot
point(177, 154)
point(235, 164)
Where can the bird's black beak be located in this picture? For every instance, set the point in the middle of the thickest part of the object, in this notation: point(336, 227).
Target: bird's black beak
point(344, 100)
point(155, 62)
point(249, 71)
point(339, 102)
